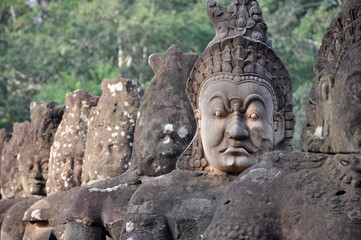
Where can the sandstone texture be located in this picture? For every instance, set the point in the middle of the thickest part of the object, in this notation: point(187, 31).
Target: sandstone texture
point(293, 196)
point(166, 123)
point(110, 131)
point(179, 205)
point(10, 178)
point(67, 151)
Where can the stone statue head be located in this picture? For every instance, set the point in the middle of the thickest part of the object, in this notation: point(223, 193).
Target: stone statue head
point(241, 93)
point(67, 151)
point(165, 124)
point(35, 152)
point(111, 127)
point(333, 122)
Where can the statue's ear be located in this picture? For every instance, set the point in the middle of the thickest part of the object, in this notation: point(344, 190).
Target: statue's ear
point(325, 89)
point(197, 115)
point(279, 128)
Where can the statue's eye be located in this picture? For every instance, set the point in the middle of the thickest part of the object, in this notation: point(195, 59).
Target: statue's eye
point(218, 113)
point(253, 116)
point(45, 167)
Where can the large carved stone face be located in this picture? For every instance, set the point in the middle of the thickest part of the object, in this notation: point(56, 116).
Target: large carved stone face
point(345, 104)
point(236, 124)
point(167, 134)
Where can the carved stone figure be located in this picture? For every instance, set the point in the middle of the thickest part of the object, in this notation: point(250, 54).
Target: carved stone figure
point(111, 127)
point(30, 168)
point(166, 122)
point(10, 179)
point(241, 94)
point(11, 187)
point(315, 194)
point(4, 138)
point(35, 153)
point(165, 126)
point(67, 151)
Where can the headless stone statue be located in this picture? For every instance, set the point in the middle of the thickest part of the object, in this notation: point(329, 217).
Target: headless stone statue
point(241, 95)
point(315, 194)
point(164, 128)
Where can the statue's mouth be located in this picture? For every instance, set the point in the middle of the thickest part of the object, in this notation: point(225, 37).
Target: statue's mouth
point(38, 183)
point(236, 152)
point(236, 148)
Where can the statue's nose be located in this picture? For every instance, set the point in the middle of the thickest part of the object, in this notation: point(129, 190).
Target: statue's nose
point(37, 172)
point(237, 129)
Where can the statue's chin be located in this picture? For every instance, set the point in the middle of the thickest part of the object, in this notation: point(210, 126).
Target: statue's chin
point(37, 188)
point(235, 164)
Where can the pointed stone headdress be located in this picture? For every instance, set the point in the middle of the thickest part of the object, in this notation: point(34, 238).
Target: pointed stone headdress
point(240, 51)
point(344, 31)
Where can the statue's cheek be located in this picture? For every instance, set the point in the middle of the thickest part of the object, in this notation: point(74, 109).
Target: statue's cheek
point(257, 134)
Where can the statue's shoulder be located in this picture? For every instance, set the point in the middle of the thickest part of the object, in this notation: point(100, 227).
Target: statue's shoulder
point(294, 161)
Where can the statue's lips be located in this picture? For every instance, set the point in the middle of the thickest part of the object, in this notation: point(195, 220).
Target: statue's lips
point(236, 152)
point(236, 149)
point(36, 183)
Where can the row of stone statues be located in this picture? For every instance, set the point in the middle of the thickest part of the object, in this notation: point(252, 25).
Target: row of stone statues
point(219, 166)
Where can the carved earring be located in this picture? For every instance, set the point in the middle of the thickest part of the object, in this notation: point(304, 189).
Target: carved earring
point(325, 88)
point(197, 115)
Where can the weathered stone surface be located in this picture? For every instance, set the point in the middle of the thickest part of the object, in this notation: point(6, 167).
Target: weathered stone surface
point(164, 128)
point(10, 179)
point(48, 215)
point(309, 195)
point(110, 132)
point(67, 151)
point(13, 227)
point(161, 209)
point(35, 152)
point(293, 196)
point(103, 205)
point(166, 123)
point(4, 138)
point(5, 205)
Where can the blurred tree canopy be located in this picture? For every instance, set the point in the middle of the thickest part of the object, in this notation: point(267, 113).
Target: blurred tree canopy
point(51, 47)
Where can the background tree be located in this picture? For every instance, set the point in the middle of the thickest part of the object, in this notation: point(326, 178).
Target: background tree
point(51, 47)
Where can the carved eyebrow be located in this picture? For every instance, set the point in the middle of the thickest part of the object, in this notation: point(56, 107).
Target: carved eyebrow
point(251, 98)
point(224, 99)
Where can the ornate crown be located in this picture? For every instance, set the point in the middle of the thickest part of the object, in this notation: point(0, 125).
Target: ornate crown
point(345, 27)
point(344, 30)
point(240, 51)
point(240, 18)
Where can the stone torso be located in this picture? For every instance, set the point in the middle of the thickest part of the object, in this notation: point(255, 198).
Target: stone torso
point(178, 205)
point(293, 196)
